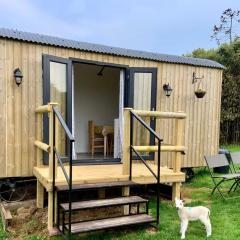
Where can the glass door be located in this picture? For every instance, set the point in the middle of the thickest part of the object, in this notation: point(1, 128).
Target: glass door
point(57, 88)
point(142, 96)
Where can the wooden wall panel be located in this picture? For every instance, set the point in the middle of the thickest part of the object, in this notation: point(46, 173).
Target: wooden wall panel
point(202, 123)
point(3, 112)
point(10, 126)
point(25, 99)
point(18, 121)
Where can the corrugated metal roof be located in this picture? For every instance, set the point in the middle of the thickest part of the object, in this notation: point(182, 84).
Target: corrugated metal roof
point(90, 47)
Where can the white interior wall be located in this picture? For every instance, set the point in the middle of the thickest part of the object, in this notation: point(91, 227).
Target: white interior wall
point(95, 98)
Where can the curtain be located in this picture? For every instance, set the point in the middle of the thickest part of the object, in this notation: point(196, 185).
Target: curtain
point(120, 121)
point(74, 154)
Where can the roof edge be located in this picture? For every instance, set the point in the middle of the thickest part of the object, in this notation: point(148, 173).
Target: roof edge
point(103, 49)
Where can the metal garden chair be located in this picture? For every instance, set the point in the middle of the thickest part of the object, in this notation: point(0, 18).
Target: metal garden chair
point(235, 160)
point(220, 160)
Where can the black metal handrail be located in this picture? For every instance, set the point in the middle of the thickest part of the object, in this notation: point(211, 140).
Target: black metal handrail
point(63, 123)
point(156, 136)
point(56, 113)
point(61, 165)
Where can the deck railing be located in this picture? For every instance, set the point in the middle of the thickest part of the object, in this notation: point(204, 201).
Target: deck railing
point(178, 147)
point(133, 149)
point(53, 153)
point(56, 154)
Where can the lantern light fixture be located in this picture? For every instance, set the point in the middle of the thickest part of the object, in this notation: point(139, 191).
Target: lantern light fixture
point(18, 76)
point(167, 89)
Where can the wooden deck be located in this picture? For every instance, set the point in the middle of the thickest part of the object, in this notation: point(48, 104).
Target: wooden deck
point(107, 173)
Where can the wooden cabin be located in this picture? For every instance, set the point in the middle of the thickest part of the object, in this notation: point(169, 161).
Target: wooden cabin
point(98, 90)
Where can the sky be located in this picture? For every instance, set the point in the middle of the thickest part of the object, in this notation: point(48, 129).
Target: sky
point(165, 26)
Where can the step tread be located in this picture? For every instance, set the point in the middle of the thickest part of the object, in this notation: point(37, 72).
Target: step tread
point(96, 185)
point(110, 223)
point(103, 203)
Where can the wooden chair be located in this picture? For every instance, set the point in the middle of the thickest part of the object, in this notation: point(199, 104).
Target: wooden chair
point(107, 132)
point(95, 137)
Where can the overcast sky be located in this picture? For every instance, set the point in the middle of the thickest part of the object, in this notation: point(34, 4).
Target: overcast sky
point(165, 26)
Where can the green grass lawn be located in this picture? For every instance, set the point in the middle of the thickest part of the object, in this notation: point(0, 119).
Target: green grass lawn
point(231, 147)
point(225, 216)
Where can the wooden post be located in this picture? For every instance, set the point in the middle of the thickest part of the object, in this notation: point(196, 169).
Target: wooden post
point(125, 193)
point(50, 164)
point(176, 191)
point(126, 141)
point(178, 156)
point(126, 153)
point(50, 211)
point(56, 208)
point(40, 195)
point(39, 138)
point(40, 188)
point(50, 159)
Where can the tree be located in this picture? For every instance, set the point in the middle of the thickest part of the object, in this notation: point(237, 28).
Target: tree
point(226, 30)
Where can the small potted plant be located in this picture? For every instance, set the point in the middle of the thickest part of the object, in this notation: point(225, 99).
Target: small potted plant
point(200, 93)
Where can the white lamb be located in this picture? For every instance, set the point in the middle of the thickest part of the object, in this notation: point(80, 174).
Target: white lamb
point(192, 214)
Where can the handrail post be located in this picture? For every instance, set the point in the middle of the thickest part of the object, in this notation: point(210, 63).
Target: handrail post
point(158, 180)
point(51, 136)
point(126, 141)
point(70, 191)
point(179, 131)
point(126, 153)
point(51, 198)
point(157, 176)
point(39, 155)
point(54, 164)
point(131, 143)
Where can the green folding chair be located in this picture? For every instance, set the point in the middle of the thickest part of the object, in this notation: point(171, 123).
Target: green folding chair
point(220, 160)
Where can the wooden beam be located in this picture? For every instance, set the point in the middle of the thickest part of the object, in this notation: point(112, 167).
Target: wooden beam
point(157, 114)
point(6, 216)
point(43, 109)
point(45, 147)
point(164, 148)
point(126, 141)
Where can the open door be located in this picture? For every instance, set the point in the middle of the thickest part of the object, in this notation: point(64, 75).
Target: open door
point(142, 89)
point(57, 87)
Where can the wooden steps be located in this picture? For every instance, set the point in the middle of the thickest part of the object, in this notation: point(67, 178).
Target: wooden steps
point(126, 217)
point(91, 186)
point(101, 224)
point(104, 203)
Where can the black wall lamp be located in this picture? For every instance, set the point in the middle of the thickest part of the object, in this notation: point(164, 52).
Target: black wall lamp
point(167, 89)
point(18, 76)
